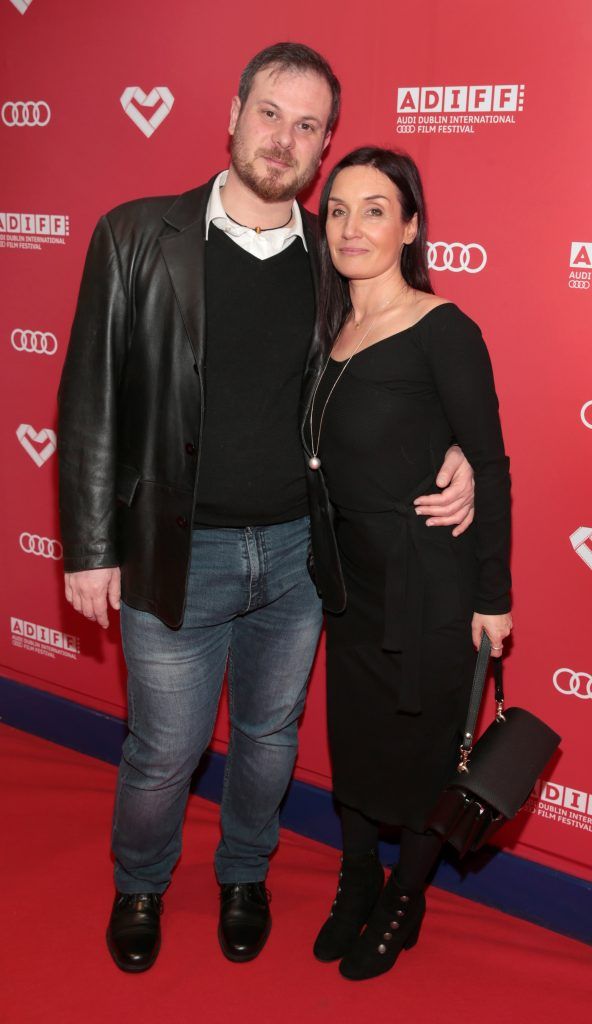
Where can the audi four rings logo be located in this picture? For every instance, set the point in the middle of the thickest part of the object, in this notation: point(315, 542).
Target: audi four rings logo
point(26, 114)
point(457, 256)
point(586, 411)
point(576, 684)
point(32, 544)
point(43, 342)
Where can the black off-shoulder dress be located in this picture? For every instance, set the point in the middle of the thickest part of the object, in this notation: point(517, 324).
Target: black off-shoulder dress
point(400, 657)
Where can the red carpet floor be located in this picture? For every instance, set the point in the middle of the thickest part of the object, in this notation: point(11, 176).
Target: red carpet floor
point(471, 962)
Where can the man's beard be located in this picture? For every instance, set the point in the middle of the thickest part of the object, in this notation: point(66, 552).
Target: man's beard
point(272, 187)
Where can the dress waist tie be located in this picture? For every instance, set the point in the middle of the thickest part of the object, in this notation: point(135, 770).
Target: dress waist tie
point(405, 596)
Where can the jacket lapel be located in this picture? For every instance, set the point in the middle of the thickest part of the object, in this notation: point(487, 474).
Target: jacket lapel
point(315, 358)
point(309, 223)
point(183, 250)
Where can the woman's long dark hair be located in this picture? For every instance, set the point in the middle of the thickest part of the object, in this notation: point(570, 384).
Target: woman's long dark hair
point(334, 300)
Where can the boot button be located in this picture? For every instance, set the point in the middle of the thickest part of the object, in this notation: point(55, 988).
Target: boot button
point(190, 448)
point(394, 925)
point(382, 948)
point(404, 899)
point(182, 522)
point(387, 936)
point(400, 913)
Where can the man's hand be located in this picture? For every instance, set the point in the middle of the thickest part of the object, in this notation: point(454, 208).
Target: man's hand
point(89, 591)
point(455, 506)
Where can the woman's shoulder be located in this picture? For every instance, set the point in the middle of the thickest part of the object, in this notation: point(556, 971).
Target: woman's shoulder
point(426, 301)
point(441, 317)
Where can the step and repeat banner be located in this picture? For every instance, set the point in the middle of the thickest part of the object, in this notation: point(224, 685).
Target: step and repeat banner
point(103, 102)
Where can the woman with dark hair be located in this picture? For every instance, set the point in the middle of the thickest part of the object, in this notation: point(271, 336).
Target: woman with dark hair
point(408, 374)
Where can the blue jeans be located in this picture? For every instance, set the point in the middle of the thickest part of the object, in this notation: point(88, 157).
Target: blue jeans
point(251, 606)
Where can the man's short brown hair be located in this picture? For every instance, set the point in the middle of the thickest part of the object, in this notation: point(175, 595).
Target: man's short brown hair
point(292, 57)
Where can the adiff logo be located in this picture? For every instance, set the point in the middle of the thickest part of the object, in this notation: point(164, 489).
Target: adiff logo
point(563, 796)
point(580, 262)
point(57, 224)
point(458, 99)
point(581, 255)
point(561, 804)
point(31, 636)
point(33, 230)
point(456, 109)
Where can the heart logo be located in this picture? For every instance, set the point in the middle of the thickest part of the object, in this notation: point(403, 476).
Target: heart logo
point(578, 542)
point(29, 437)
point(147, 125)
point(21, 5)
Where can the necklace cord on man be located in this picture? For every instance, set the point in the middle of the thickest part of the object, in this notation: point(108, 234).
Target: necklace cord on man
point(259, 230)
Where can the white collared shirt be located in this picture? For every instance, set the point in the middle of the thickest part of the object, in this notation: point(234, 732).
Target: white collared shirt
point(263, 245)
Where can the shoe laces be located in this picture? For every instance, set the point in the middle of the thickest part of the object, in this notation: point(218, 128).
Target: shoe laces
point(251, 889)
point(150, 900)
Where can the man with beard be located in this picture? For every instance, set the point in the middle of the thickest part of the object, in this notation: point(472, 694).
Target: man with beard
point(182, 491)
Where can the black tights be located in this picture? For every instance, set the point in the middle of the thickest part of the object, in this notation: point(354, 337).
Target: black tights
point(419, 850)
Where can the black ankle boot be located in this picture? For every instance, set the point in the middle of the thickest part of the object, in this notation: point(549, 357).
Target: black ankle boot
point(393, 925)
point(360, 883)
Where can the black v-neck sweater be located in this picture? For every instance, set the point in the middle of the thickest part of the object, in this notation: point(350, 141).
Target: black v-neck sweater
point(259, 322)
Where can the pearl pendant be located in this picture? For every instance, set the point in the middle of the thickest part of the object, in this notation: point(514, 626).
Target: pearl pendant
point(314, 462)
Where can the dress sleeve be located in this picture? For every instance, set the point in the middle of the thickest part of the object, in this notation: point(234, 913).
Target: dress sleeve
point(463, 378)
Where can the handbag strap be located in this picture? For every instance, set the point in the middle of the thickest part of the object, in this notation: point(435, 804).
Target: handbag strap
point(477, 695)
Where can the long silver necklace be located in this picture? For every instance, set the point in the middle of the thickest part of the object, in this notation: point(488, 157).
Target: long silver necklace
point(314, 462)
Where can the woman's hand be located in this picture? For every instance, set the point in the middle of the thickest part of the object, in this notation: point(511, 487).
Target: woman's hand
point(497, 627)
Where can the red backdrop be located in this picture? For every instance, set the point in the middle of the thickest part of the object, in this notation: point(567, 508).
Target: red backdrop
point(493, 100)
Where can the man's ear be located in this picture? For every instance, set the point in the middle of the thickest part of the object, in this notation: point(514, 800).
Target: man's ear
point(235, 109)
point(326, 142)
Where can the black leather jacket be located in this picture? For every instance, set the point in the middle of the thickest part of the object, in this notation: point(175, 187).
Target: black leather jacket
point(131, 398)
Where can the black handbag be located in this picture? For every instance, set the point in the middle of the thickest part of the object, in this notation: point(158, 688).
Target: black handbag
point(495, 777)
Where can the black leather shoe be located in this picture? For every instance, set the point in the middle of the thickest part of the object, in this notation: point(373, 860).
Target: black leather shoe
point(133, 935)
point(245, 920)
